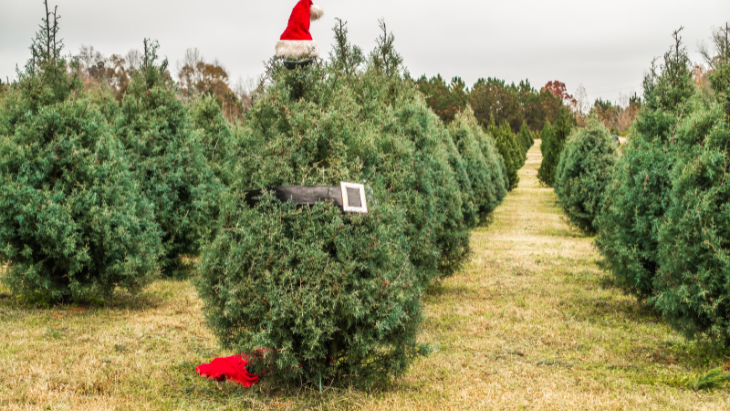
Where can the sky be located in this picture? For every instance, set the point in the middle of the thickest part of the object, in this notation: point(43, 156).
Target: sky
point(605, 46)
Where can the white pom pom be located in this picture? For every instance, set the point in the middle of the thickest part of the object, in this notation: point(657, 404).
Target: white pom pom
point(316, 13)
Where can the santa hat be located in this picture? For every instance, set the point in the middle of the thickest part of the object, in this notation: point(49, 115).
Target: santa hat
point(296, 41)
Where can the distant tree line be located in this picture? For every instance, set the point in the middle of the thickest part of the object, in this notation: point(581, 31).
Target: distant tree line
point(493, 101)
point(195, 77)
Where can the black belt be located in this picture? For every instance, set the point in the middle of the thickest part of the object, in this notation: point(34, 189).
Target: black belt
point(299, 195)
point(311, 195)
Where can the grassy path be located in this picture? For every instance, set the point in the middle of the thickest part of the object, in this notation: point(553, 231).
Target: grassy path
point(527, 325)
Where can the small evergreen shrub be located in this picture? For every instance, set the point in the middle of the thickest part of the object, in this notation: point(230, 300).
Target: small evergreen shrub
point(332, 294)
point(216, 136)
point(637, 199)
point(73, 223)
point(553, 141)
point(584, 171)
point(509, 150)
point(692, 285)
point(525, 139)
point(169, 160)
point(469, 200)
point(487, 183)
point(495, 162)
point(546, 136)
point(326, 294)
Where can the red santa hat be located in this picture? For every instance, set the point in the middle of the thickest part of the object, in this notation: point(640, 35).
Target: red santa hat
point(296, 41)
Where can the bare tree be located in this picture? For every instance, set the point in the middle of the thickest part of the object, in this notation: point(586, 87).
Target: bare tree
point(721, 52)
point(89, 57)
point(625, 115)
point(187, 70)
point(581, 107)
point(133, 59)
point(246, 89)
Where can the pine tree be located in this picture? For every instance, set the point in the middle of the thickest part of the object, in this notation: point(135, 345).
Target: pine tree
point(519, 154)
point(637, 199)
point(73, 224)
point(583, 173)
point(509, 150)
point(553, 147)
point(691, 289)
point(169, 159)
point(485, 176)
point(691, 286)
point(525, 138)
point(495, 162)
point(546, 142)
point(216, 136)
point(333, 294)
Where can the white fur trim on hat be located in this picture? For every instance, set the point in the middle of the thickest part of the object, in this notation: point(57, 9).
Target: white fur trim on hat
point(297, 48)
point(316, 13)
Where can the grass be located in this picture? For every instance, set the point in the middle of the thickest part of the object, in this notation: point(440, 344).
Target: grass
point(530, 324)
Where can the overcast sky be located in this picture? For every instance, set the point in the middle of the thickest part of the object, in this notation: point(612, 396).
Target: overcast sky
point(607, 46)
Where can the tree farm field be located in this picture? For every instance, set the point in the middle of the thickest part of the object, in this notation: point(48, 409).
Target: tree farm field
point(530, 323)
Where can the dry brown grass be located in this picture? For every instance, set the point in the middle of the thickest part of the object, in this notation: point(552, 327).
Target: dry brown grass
point(528, 325)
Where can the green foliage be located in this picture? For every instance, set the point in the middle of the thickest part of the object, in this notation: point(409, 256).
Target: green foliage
point(73, 224)
point(328, 294)
point(720, 66)
point(332, 294)
point(510, 151)
point(3, 89)
point(169, 160)
point(553, 140)
point(693, 289)
point(584, 171)
point(713, 379)
point(216, 136)
point(637, 199)
point(492, 101)
point(446, 100)
point(546, 137)
point(45, 80)
point(479, 152)
point(525, 139)
point(495, 101)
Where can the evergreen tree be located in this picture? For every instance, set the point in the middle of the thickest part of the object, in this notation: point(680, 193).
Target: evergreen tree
point(552, 147)
point(518, 152)
point(216, 136)
point(446, 100)
point(693, 290)
point(583, 173)
point(637, 199)
point(505, 151)
point(525, 138)
point(495, 161)
point(546, 141)
point(169, 159)
point(486, 178)
point(719, 63)
point(510, 151)
point(333, 294)
point(72, 221)
point(469, 199)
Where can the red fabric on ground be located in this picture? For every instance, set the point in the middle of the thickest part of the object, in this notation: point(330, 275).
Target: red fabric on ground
point(232, 368)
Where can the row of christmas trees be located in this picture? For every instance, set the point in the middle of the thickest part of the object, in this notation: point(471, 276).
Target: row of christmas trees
point(661, 208)
point(97, 194)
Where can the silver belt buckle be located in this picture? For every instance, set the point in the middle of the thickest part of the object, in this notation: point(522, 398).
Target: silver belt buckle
point(353, 198)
